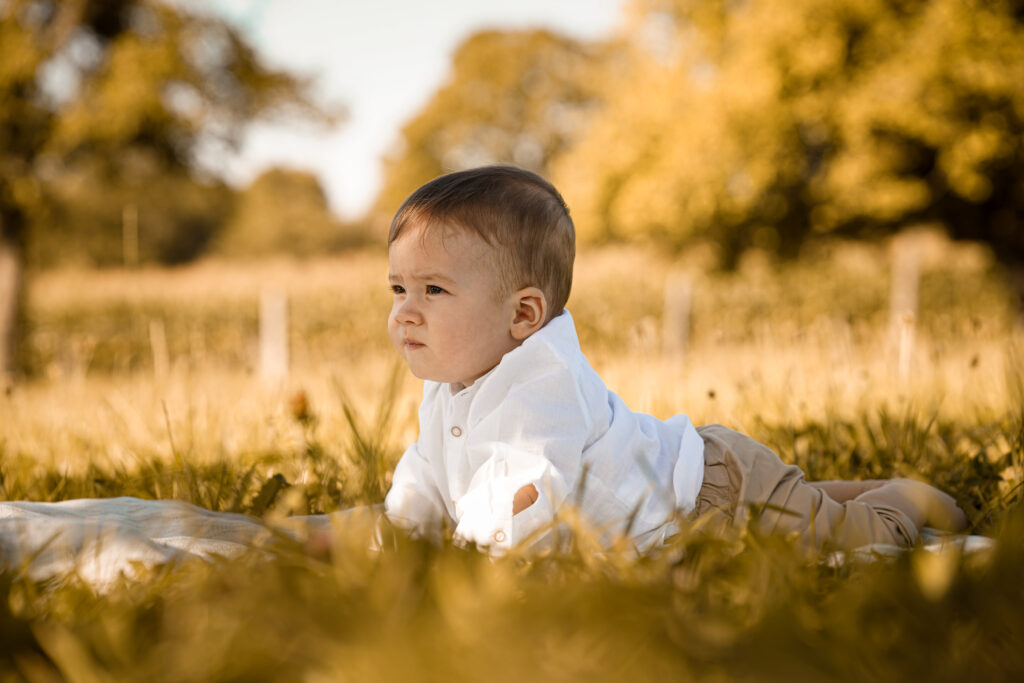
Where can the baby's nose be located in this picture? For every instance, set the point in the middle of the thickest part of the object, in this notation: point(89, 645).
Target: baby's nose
point(408, 312)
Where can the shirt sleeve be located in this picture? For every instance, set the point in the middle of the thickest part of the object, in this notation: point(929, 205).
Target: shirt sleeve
point(414, 501)
point(534, 435)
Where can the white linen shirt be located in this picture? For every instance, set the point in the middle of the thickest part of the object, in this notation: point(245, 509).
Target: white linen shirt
point(542, 416)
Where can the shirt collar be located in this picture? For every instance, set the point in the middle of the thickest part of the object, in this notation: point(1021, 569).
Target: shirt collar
point(559, 332)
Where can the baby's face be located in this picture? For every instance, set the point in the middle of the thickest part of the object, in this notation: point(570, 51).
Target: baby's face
point(447, 320)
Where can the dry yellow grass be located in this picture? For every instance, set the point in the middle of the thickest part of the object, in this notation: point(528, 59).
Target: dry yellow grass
point(801, 357)
point(760, 351)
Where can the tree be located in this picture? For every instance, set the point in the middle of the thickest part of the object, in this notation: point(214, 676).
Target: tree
point(120, 90)
point(172, 214)
point(514, 97)
point(766, 123)
point(283, 211)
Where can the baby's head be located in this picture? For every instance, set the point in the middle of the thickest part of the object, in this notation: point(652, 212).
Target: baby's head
point(498, 246)
point(521, 216)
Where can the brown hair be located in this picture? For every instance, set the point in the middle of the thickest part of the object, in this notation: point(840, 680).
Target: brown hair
point(515, 211)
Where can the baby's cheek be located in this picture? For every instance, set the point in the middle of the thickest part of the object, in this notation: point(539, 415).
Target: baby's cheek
point(394, 335)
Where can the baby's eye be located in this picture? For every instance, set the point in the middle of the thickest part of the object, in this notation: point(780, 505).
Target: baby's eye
point(397, 289)
point(434, 289)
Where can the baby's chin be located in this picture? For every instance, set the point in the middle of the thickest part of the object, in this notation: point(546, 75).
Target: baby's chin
point(457, 380)
point(430, 376)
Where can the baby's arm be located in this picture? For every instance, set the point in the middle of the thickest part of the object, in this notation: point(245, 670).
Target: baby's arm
point(524, 498)
point(530, 446)
point(414, 500)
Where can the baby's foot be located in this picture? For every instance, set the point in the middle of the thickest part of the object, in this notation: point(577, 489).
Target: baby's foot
point(940, 508)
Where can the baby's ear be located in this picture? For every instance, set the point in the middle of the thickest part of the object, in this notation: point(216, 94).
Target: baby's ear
point(531, 310)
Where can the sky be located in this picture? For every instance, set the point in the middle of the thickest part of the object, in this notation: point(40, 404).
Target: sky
point(381, 60)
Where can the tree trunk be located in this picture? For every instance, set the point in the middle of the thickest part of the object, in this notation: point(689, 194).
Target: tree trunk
point(10, 309)
point(1015, 273)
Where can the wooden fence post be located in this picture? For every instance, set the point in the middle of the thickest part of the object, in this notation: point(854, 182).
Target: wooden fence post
point(903, 302)
point(273, 336)
point(675, 319)
point(158, 345)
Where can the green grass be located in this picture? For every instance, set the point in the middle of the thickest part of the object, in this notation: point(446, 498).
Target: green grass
point(737, 606)
point(799, 359)
point(740, 607)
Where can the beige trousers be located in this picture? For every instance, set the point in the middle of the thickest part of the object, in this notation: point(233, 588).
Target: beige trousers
point(744, 478)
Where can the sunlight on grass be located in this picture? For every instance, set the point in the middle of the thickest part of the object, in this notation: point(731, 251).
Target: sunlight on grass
point(801, 358)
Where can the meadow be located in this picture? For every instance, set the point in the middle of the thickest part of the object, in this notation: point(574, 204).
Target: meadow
point(145, 383)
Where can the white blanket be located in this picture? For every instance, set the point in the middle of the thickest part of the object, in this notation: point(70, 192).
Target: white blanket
point(101, 540)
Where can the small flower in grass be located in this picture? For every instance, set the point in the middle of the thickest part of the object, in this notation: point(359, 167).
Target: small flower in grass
point(298, 405)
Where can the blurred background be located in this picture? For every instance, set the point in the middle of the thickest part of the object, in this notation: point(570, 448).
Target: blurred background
point(164, 163)
point(801, 219)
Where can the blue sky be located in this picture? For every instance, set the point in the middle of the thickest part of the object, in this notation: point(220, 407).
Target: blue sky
point(382, 59)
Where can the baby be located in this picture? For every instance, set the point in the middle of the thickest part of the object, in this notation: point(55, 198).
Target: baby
point(515, 425)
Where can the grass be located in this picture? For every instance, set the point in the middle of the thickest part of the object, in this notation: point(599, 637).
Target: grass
point(799, 357)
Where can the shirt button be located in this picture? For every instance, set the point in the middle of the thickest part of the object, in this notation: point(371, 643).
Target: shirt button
point(499, 536)
point(456, 431)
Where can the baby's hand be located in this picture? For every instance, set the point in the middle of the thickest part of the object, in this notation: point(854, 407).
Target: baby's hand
point(319, 545)
point(524, 498)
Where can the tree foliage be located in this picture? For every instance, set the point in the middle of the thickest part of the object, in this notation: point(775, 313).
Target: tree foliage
point(515, 97)
point(758, 123)
point(764, 123)
point(174, 214)
point(106, 103)
point(283, 211)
